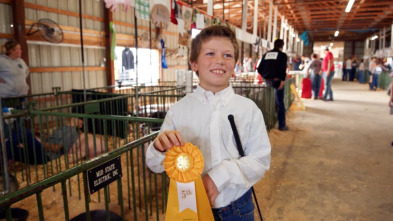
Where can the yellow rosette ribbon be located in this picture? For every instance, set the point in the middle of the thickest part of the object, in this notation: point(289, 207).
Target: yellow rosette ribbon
point(187, 199)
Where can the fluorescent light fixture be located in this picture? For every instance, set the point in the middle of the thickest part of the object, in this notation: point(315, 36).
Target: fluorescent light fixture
point(349, 6)
point(331, 44)
point(336, 33)
point(374, 37)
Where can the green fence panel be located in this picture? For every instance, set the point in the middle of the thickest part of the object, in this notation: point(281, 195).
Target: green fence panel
point(384, 80)
point(114, 130)
point(90, 201)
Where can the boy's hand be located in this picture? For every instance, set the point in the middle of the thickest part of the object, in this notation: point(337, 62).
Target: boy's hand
point(211, 189)
point(167, 140)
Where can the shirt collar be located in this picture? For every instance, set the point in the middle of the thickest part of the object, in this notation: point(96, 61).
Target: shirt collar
point(225, 95)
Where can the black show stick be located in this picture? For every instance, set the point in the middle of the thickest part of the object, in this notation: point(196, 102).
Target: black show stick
point(241, 152)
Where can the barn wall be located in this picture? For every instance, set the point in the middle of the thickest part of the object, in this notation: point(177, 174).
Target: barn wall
point(60, 65)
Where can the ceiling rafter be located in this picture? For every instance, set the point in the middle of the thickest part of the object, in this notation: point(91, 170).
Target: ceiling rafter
point(320, 17)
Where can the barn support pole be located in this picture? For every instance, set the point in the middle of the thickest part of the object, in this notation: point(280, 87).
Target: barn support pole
point(110, 66)
point(136, 64)
point(255, 28)
point(282, 27)
point(269, 27)
point(391, 36)
point(82, 50)
point(275, 24)
point(244, 15)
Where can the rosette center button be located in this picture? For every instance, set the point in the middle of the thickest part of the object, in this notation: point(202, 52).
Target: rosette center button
point(184, 162)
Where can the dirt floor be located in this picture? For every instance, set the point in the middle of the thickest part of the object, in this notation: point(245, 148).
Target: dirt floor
point(335, 162)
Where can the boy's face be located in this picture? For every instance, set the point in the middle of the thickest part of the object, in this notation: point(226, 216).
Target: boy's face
point(215, 64)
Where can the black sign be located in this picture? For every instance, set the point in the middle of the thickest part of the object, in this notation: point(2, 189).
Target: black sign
point(103, 175)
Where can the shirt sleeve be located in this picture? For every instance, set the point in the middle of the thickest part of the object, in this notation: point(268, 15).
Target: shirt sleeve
point(245, 171)
point(155, 158)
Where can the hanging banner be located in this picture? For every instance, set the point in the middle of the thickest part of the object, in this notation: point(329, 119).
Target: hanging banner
point(174, 12)
point(112, 4)
point(208, 20)
point(163, 60)
point(200, 21)
point(142, 8)
point(264, 43)
point(113, 44)
point(187, 17)
point(180, 26)
point(244, 36)
point(304, 37)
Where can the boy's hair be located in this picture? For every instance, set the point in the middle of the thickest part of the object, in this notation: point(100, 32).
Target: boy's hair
point(206, 34)
point(314, 56)
point(278, 43)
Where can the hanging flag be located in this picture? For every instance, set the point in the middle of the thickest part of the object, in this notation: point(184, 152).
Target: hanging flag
point(113, 44)
point(200, 21)
point(187, 16)
point(304, 37)
point(208, 20)
point(180, 26)
point(112, 4)
point(174, 12)
point(163, 60)
point(142, 8)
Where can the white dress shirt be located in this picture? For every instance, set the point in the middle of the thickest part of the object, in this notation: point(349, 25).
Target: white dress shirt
point(202, 119)
point(348, 64)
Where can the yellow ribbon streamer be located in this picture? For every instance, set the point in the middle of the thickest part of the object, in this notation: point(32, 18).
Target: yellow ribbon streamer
point(184, 164)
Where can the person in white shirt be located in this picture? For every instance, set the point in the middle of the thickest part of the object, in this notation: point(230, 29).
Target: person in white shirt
point(361, 72)
point(347, 70)
point(377, 70)
point(201, 118)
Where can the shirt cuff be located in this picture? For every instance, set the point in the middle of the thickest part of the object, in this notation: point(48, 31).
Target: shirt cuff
point(219, 176)
point(154, 159)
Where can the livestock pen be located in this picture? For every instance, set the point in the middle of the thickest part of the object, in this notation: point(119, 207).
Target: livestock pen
point(119, 133)
point(121, 136)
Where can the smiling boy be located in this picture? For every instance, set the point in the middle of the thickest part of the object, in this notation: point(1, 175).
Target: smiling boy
point(201, 118)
